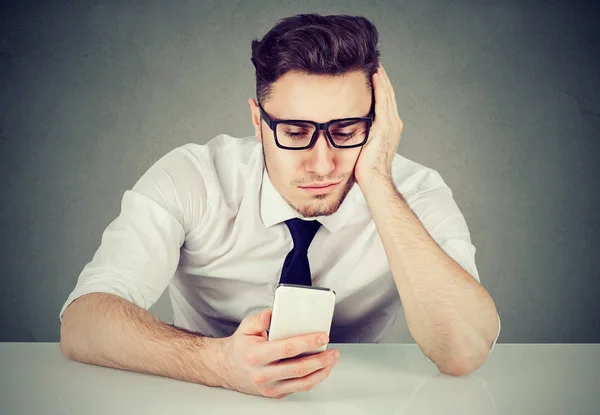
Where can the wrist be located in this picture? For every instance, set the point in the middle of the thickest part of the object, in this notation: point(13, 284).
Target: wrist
point(219, 363)
point(367, 175)
point(214, 362)
point(375, 182)
point(203, 361)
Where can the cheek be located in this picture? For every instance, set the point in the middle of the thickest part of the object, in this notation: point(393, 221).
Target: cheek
point(347, 160)
point(283, 166)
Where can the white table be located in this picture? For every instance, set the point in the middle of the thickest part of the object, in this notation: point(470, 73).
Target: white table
point(369, 379)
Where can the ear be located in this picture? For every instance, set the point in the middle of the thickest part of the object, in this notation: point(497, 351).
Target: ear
point(256, 120)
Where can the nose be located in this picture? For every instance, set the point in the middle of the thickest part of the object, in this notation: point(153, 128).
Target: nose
point(322, 155)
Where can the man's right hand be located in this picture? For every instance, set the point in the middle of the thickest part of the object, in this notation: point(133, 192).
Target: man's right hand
point(251, 364)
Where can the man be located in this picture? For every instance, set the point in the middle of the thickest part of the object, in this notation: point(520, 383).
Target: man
point(214, 223)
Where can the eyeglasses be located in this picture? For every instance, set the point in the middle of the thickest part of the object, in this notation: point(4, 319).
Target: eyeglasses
point(302, 134)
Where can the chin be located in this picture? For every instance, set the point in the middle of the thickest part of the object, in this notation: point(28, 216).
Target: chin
point(321, 205)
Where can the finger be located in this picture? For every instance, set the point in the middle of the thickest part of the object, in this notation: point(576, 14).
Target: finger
point(380, 98)
point(300, 384)
point(391, 96)
point(286, 348)
point(256, 324)
point(394, 106)
point(296, 368)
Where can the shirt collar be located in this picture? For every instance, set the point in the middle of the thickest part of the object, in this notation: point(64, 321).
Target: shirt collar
point(274, 209)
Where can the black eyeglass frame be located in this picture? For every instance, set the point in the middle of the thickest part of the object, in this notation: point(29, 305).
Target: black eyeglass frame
point(318, 127)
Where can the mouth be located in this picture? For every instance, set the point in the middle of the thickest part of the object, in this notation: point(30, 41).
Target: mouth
point(320, 188)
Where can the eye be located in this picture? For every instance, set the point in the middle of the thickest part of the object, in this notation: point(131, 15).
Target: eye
point(344, 135)
point(297, 134)
point(297, 131)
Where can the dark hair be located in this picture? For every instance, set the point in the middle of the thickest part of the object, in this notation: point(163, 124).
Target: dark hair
point(316, 45)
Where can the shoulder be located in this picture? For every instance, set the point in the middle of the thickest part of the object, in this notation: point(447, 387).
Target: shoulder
point(217, 164)
point(222, 148)
point(228, 164)
point(413, 179)
point(430, 199)
point(192, 164)
point(193, 177)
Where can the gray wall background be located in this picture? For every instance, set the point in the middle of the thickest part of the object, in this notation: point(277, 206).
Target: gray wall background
point(501, 97)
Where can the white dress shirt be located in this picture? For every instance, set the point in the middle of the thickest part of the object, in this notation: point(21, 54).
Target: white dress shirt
point(206, 222)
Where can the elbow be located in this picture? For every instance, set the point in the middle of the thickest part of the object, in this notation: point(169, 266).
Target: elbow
point(462, 365)
point(65, 344)
point(456, 368)
point(65, 350)
point(463, 355)
point(66, 335)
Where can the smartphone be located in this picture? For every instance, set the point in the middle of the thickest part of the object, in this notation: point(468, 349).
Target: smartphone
point(301, 309)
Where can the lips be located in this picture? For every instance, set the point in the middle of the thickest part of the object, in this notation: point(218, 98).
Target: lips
point(320, 188)
point(319, 185)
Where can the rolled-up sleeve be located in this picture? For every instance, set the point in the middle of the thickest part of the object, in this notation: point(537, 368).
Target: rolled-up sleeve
point(438, 211)
point(139, 250)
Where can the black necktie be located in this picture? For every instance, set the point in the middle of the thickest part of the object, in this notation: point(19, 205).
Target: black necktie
point(296, 269)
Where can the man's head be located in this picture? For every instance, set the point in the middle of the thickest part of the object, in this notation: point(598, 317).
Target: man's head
point(314, 68)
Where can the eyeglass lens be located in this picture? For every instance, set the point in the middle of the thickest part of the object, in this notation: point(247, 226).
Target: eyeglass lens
point(344, 133)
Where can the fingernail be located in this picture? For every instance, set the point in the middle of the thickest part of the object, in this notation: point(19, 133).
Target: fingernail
point(323, 340)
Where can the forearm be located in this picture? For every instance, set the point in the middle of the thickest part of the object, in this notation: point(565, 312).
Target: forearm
point(449, 314)
point(106, 330)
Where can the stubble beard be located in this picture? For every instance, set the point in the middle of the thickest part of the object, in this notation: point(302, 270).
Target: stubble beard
point(324, 205)
point(320, 205)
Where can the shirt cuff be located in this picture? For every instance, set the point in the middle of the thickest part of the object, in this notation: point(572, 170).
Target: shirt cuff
point(128, 292)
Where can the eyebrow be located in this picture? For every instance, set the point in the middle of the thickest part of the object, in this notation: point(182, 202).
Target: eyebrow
point(347, 123)
point(300, 120)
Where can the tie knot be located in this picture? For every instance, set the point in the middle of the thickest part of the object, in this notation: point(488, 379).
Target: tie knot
point(303, 232)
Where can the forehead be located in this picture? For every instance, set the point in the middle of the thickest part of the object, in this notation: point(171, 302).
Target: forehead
point(297, 95)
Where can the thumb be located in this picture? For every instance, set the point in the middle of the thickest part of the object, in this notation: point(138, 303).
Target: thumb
point(256, 324)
